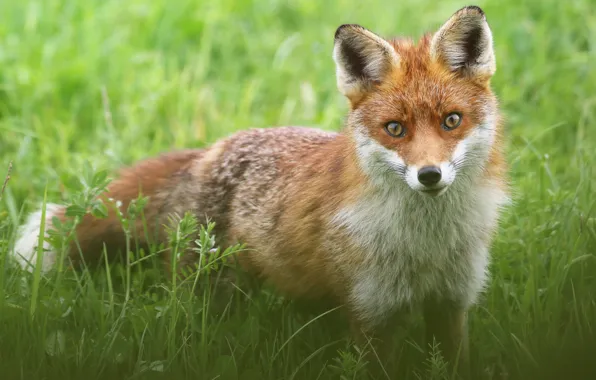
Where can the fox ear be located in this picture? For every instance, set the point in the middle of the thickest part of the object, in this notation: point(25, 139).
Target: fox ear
point(465, 44)
point(362, 60)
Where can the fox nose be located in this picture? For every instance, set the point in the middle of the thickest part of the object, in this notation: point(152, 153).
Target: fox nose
point(429, 175)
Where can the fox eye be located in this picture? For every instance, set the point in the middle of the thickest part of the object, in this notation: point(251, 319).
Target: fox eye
point(452, 121)
point(395, 129)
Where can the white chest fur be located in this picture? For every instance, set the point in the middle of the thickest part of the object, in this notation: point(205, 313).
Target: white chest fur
point(417, 246)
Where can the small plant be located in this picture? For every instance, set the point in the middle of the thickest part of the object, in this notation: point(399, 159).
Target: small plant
point(436, 368)
point(86, 190)
point(350, 365)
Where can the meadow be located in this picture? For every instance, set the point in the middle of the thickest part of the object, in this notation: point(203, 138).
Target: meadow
point(89, 86)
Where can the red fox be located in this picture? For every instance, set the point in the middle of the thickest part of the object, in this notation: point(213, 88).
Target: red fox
point(398, 209)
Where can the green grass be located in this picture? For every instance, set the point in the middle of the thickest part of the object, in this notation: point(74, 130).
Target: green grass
point(108, 82)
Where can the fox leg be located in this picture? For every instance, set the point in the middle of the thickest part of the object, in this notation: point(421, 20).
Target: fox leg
point(446, 324)
point(377, 342)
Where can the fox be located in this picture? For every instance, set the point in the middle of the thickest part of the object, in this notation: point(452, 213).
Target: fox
point(395, 210)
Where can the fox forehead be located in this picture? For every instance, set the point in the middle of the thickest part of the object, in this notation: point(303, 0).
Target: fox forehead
point(419, 94)
point(419, 88)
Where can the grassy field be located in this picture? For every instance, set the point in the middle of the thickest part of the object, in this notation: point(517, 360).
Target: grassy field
point(92, 85)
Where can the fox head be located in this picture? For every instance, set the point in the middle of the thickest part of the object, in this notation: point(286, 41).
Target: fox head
point(421, 114)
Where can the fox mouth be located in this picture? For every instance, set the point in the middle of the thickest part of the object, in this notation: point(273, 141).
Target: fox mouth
point(434, 192)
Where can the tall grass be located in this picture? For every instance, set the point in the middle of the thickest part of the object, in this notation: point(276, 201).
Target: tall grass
point(88, 86)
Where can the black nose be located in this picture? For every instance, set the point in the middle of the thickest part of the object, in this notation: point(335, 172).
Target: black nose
point(429, 175)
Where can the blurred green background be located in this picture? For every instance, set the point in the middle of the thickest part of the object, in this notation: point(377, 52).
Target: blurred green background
point(109, 82)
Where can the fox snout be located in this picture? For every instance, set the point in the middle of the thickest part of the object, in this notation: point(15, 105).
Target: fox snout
point(430, 179)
